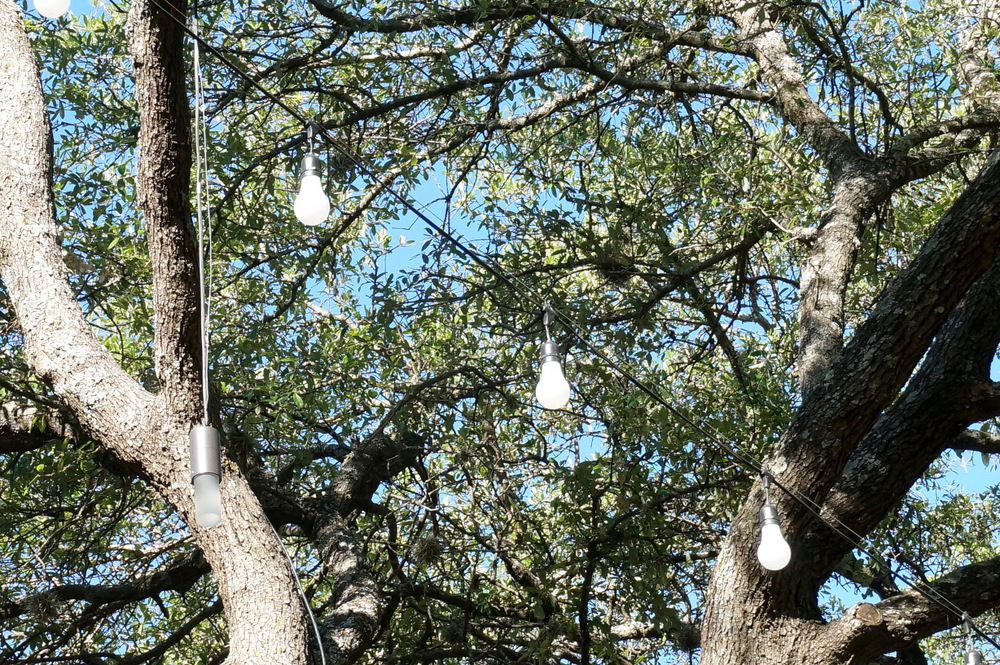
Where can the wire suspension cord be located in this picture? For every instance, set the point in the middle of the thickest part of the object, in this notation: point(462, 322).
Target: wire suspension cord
point(201, 203)
point(205, 222)
point(835, 524)
point(302, 594)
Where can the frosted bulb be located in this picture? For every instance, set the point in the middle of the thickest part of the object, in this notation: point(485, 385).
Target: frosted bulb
point(206, 470)
point(207, 500)
point(311, 204)
point(773, 552)
point(552, 391)
point(51, 8)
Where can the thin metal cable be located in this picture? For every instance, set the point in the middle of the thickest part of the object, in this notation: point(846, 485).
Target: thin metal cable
point(834, 523)
point(201, 166)
point(208, 267)
point(202, 203)
point(302, 594)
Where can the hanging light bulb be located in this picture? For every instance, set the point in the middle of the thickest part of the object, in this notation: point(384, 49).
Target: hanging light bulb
point(773, 551)
point(206, 472)
point(552, 391)
point(52, 8)
point(311, 203)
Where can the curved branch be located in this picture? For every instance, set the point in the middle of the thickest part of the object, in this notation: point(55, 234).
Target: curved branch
point(977, 440)
point(26, 427)
point(867, 631)
point(983, 120)
point(174, 637)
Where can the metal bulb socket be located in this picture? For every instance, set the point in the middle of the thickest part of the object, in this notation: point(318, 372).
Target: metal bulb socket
point(310, 165)
point(973, 657)
point(768, 515)
point(206, 474)
point(550, 351)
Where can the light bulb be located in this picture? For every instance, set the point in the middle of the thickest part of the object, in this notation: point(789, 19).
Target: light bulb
point(773, 551)
point(51, 8)
point(206, 472)
point(311, 203)
point(552, 391)
point(973, 657)
point(207, 500)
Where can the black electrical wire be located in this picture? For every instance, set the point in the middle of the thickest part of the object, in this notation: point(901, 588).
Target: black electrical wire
point(835, 524)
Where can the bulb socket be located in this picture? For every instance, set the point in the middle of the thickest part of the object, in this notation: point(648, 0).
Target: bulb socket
point(550, 351)
point(973, 657)
point(310, 165)
point(768, 515)
point(206, 452)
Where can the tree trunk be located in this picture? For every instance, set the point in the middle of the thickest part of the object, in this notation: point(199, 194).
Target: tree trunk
point(756, 616)
point(265, 616)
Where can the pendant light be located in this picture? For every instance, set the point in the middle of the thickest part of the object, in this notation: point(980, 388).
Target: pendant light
point(311, 206)
point(552, 391)
point(773, 551)
point(205, 449)
point(206, 473)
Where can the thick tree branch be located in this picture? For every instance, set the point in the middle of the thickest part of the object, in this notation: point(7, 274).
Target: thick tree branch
point(351, 625)
point(870, 371)
point(856, 192)
point(60, 346)
point(977, 440)
point(976, 55)
point(163, 181)
point(25, 427)
point(950, 391)
point(867, 631)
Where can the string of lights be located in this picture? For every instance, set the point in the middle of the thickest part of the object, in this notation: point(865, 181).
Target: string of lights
point(550, 350)
point(549, 314)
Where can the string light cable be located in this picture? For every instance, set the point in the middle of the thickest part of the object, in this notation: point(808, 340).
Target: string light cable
point(202, 204)
point(302, 594)
point(841, 529)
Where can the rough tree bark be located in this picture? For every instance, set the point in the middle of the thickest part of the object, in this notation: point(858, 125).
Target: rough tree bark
point(755, 616)
point(264, 615)
point(856, 446)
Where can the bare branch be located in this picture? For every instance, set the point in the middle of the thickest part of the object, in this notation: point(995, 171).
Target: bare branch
point(179, 576)
point(977, 440)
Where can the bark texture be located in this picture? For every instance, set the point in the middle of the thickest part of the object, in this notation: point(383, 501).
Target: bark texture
point(859, 441)
point(255, 582)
